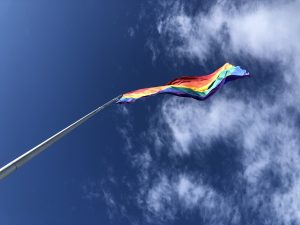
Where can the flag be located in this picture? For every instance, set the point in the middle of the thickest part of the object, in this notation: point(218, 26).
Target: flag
point(197, 87)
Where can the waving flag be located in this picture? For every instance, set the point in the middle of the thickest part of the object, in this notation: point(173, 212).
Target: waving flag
point(197, 87)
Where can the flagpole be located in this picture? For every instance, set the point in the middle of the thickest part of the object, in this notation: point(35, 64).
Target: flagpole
point(21, 160)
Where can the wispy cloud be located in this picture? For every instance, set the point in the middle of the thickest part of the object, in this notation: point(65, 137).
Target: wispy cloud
point(262, 129)
point(183, 193)
point(260, 122)
point(127, 128)
point(264, 30)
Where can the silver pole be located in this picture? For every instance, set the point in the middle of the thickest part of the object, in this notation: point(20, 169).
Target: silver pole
point(20, 161)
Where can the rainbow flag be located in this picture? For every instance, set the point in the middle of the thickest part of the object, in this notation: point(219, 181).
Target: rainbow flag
point(197, 87)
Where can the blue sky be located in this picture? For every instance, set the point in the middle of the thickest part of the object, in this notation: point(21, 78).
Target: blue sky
point(233, 159)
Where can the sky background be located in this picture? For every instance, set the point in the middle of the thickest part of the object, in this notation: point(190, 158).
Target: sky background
point(233, 159)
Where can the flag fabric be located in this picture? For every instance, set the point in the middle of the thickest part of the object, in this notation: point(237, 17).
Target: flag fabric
point(197, 87)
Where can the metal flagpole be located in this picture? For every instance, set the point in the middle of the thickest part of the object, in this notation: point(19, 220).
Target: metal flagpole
point(20, 161)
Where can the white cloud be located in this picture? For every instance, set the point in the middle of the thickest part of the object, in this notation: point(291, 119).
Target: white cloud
point(125, 135)
point(190, 120)
point(167, 196)
point(190, 193)
point(131, 32)
point(91, 190)
point(262, 30)
point(159, 195)
point(263, 130)
point(125, 130)
point(264, 133)
point(288, 205)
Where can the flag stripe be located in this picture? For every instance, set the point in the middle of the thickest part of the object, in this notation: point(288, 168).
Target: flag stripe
point(198, 87)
